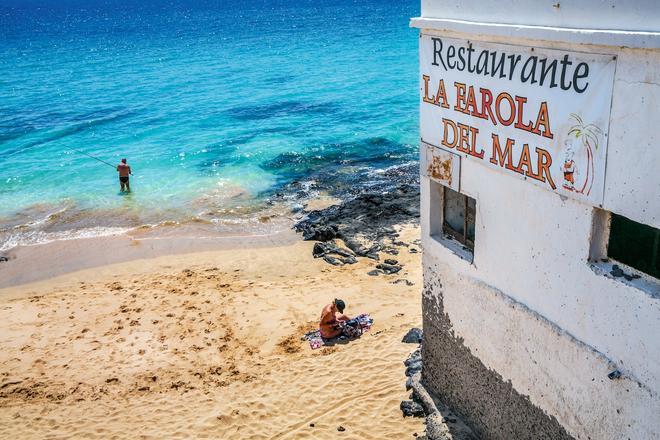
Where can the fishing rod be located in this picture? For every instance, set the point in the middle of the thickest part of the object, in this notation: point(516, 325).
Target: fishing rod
point(95, 158)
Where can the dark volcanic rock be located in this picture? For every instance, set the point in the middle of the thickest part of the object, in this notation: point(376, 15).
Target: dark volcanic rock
point(414, 336)
point(320, 232)
point(341, 428)
point(341, 252)
point(410, 408)
point(327, 249)
point(3, 259)
point(391, 261)
point(374, 272)
point(388, 268)
point(403, 280)
point(362, 251)
point(356, 247)
point(365, 222)
point(332, 260)
point(348, 260)
point(319, 250)
point(413, 363)
point(324, 248)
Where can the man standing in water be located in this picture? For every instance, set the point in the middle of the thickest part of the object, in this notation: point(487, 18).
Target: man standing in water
point(124, 171)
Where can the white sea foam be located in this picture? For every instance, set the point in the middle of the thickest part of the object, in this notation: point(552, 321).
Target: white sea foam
point(378, 171)
point(31, 238)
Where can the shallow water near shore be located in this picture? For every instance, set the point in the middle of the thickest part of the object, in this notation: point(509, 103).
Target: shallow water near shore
point(231, 114)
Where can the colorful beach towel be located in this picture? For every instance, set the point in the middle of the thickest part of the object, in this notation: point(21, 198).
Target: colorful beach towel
point(358, 325)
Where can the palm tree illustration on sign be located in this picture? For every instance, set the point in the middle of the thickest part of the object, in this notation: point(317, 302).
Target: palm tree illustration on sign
point(587, 137)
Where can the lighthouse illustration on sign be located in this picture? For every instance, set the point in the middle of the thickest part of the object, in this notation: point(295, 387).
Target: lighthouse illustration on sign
point(578, 167)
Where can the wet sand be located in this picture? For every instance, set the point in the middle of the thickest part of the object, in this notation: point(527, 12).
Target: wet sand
point(44, 261)
point(203, 344)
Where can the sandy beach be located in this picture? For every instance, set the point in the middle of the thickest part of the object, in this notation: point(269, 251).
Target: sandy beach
point(207, 345)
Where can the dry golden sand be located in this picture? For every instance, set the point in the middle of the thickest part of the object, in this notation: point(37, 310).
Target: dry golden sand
point(206, 345)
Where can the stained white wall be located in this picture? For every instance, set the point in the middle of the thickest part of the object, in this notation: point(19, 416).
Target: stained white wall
point(532, 246)
point(632, 185)
point(531, 308)
point(639, 15)
point(562, 376)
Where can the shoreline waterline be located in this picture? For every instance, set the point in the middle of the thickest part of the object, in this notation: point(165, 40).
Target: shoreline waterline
point(42, 262)
point(271, 225)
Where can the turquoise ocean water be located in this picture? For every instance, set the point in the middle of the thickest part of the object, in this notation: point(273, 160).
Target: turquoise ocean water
point(222, 108)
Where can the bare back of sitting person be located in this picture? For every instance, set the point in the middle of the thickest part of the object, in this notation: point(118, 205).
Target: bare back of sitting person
point(332, 316)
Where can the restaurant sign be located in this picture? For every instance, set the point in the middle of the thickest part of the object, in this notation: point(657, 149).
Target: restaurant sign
point(539, 114)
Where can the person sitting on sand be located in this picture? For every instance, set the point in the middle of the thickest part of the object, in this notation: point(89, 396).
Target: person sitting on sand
point(124, 171)
point(331, 324)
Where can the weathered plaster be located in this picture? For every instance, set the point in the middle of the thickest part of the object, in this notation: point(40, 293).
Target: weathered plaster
point(618, 15)
point(529, 374)
point(486, 401)
point(521, 336)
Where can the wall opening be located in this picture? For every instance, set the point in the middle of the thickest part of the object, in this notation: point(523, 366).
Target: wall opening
point(453, 220)
point(634, 246)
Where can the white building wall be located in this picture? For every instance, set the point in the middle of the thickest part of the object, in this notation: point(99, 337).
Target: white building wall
point(530, 306)
point(632, 185)
point(624, 15)
point(532, 310)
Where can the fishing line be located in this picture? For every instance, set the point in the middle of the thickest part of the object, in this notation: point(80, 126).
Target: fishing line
point(95, 158)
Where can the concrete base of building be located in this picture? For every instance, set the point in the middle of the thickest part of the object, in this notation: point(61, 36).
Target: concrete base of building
point(441, 422)
point(487, 403)
point(511, 374)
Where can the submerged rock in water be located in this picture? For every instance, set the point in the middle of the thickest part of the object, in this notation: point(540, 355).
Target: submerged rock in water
point(414, 336)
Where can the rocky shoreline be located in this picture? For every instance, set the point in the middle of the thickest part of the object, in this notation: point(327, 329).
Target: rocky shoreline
point(364, 226)
point(440, 421)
